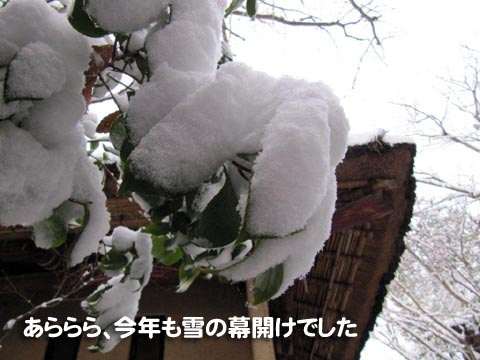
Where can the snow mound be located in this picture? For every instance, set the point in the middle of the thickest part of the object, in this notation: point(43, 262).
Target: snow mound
point(44, 169)
point(125, 16)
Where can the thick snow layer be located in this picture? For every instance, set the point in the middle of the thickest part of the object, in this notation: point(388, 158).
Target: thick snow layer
point(289, 174)
point(185, 46)
point(153, 101)
point(296, 252)
point(8, 51)
point(36, 72)
point(230, 116)
point(191, 41)
point(43, 162)
point(28, 21)
point(122, 239)
point(33, 180)
point(298, 130)
point(12, 108)
point(125, 16)
point(54, 117)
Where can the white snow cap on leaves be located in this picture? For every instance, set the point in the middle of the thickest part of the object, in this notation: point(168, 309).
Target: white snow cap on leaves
point(124, 290)
point(182, 57)
point(299, 131)
point(190, 119)
point(87, 190)
point(36, 72)
point(33, 180)
point(51, 119)
point(29, 21)
point(125, 16)
point(191, 41)
point(157, 98)
point(43, 162)
point(8, 51)
point(296, 252)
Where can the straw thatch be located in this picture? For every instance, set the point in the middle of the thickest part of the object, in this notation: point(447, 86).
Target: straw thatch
point(350, 275)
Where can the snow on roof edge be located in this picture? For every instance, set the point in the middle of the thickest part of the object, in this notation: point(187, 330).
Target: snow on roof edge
point(364, 138)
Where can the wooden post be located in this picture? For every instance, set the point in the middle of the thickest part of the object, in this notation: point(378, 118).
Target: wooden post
point(262, 349)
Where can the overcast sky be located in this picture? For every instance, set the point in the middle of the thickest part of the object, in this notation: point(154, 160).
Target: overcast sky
point(422, 43)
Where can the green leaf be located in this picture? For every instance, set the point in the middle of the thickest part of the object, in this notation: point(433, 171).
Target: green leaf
point(157, 229)
point(83, 23)
point(158, 213)
point(252, 8)
point(131, 184)
point(220, 222)
point(142, 64)
point(234, 5)
point(187, 277)
point(237, 250)
point(94, 145)
point(159, 251)
point(180, 222)
point(114, 260)
point(126, 150)
point(97, 295)
point(171, 257)
point(267, 284)
point(53, 230)
point(118, 132)
point(158, 246)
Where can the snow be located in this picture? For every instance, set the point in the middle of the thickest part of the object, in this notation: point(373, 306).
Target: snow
point(33, 180)
point(89, 122)
point(296, 252)
point(125, 16)
point(300, 133)
point(191, 41)
point(43, 162)
point(206, 192)
point(289, 173)
point(156, 99)
point(194, 48)
point(8, 51)
point(190, 120)
point(187, 122)
point(363, 138)
point(124, 291)
point(50, 120)
point(122, 239)
point(137, 41)
point(36, 72)
point(10, 324)
point(87, 190)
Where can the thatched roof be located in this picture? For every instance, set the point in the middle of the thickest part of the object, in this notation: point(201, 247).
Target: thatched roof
point(349, 278)
point(350, 275)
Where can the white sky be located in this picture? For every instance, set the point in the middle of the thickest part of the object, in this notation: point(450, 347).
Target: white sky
point(422, 42)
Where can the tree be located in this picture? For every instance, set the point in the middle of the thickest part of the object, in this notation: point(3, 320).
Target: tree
point(207, 152)
point(433, 304)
